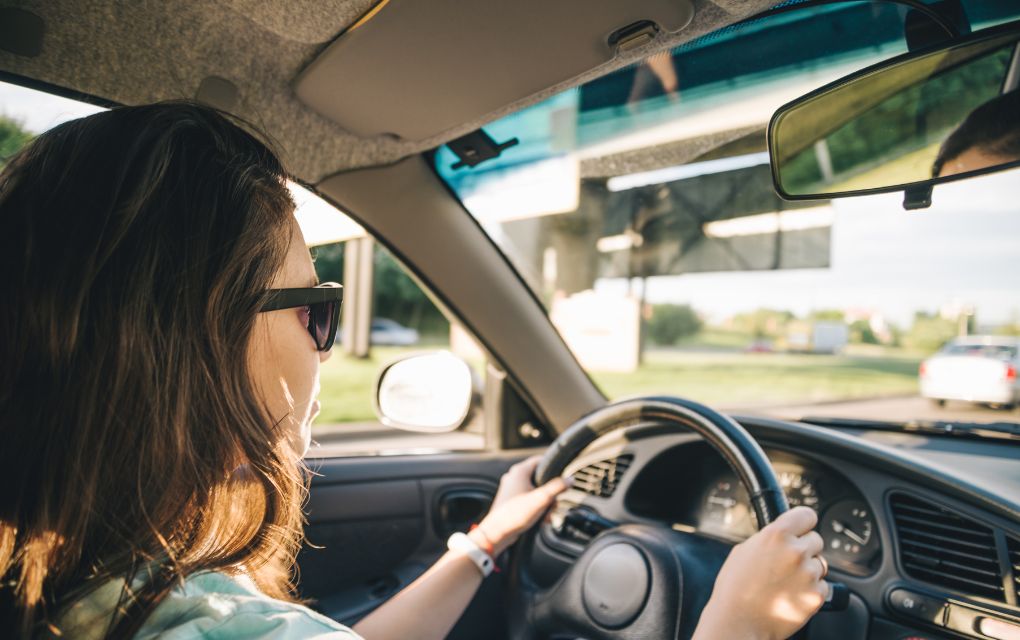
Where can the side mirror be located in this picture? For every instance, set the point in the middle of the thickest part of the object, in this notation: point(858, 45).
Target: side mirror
point(427, 392)
point(905, 124)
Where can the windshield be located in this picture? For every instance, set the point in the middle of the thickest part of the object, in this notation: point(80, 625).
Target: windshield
point(640, 209)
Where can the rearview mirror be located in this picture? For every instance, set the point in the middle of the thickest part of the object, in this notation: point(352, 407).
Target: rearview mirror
point(429, 392)
point(905, 124)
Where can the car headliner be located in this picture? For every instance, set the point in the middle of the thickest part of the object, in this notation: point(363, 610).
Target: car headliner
point(133, 53)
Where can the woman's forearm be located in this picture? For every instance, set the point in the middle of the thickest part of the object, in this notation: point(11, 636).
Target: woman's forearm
point(432, 604)
point(429, 606)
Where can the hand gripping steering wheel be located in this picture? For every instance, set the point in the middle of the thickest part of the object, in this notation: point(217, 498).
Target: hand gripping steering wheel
point(635, 580)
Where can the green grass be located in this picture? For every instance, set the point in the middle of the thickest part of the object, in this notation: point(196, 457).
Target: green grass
point(715, 338)
point(348, 384)
point(726, 379)
point(760, 379)
point(909, 167)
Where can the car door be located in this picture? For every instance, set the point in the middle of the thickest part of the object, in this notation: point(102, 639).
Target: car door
point(376, 523)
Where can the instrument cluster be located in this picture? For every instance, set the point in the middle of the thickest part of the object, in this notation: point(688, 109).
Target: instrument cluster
point(717, 504)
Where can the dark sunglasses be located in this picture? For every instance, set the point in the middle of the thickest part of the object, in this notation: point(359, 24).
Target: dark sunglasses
point(323, 304)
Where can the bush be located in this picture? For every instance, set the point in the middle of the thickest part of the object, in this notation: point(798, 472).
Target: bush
point(397, 296)
point(763, 323)
point(929, 332)
point(13, 136)
point(1010, 329)
point(862, 333)
point(671, 322)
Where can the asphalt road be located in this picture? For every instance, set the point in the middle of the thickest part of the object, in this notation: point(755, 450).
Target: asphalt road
point(892, 409)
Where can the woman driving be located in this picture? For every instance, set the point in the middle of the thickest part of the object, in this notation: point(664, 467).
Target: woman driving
point(162, 332)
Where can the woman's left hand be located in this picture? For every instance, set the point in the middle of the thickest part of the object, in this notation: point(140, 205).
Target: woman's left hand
point(518, 505)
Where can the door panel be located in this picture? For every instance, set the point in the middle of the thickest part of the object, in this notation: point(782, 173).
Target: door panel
point(377, 523)
point(365, 500)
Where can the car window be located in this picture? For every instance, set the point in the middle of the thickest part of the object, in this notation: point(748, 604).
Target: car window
point(1002, 352)
point(412, 323)
point(409, 321)
point(640, 209)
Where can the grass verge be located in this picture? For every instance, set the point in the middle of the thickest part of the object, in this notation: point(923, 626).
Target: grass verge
point(740, 380)
point(725, 380)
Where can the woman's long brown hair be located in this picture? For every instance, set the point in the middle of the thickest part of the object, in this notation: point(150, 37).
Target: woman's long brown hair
point(136, 248)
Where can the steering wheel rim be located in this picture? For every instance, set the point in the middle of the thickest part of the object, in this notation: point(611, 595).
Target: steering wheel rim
point(568, 602)
point(738, 448)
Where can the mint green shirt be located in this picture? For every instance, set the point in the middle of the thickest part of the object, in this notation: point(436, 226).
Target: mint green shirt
point(208, 605)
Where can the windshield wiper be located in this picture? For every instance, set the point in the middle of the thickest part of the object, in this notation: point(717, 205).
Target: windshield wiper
point(952, 428)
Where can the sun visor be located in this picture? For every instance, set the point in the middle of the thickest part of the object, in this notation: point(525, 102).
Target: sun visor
point(415, 69)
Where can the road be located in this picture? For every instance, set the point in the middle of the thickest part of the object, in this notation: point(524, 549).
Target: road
point(893, 409)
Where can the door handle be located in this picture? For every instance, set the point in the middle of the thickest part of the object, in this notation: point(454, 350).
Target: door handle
point(457, 510)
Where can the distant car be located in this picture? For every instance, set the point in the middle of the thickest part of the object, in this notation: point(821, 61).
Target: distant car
point(974, 369)
point(391, 333)
point(759, 346)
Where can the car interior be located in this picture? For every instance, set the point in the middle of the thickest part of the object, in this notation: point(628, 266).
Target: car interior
point(372, 102)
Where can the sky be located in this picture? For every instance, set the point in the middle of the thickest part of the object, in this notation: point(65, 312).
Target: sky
point(38, 111)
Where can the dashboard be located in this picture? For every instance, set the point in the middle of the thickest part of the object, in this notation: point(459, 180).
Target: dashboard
point(924, 531)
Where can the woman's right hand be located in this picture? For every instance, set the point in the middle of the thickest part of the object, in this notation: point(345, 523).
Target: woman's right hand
point(770, 585)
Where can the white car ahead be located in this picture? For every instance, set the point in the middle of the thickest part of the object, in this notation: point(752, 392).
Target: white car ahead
point(974, 369)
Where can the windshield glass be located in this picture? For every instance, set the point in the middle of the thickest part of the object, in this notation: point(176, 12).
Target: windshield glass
point(640, 209)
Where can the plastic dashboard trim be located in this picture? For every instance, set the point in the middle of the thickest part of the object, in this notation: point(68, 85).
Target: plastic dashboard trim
point(881, 458)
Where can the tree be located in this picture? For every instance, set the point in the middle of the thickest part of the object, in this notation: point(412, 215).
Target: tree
point(1008, 329)
point(862, 333)
point(13, 136)
point(329, 262)
point(671, 322)
point(763, 323)
point(397, 296)
point(929, 332)
point(827, 315)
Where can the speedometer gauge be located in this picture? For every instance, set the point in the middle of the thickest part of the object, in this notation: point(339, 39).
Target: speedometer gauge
point(727, 510)
point(799, 490)
point(849, 531)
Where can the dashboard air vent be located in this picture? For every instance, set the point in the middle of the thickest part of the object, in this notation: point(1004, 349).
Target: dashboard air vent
point(601, 478)
point(1014, 559)
point(944, 548)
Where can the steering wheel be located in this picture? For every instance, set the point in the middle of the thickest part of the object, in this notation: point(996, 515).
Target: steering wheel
point(634, 580)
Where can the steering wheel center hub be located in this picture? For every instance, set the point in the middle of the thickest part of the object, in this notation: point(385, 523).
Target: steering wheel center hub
point(616, 585)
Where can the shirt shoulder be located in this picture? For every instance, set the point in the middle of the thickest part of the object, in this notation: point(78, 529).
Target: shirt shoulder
point(207, 605)
point(221, 607)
